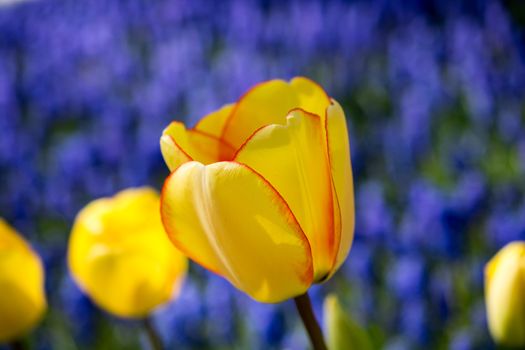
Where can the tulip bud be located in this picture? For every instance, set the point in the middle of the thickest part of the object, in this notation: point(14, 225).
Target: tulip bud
point(121, 257)
point(343, 333)
point(22, 296)
point(505, 295)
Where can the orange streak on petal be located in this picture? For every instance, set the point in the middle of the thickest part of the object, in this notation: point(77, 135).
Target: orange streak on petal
point(221, 141)
point(336, 242)
point(333, 242)
point(237, 105)
point(332, 233)
point(241, 147)
point(339, 214)
point(180, 148)
point(307, 277)
point(226, 149)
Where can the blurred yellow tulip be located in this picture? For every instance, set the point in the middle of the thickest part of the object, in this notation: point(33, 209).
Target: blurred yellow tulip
point(22, 296)
point(261, 190)
point(120, 255)
point(505, 295)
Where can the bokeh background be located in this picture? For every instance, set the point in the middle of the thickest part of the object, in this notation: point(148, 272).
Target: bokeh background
point(434, 94)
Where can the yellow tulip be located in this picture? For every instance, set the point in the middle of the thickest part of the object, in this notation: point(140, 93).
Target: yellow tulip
point(505, 295)
point(22, 296)
point(120, 256)
point(261, 190)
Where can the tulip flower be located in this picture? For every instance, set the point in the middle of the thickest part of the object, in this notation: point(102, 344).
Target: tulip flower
point(22, 296)
point(505, 295)
point(120, 256)
point(261, 190)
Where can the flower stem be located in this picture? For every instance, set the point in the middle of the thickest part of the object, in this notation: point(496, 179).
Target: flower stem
point(17, 345)
point(153, 336)
point(304, 306)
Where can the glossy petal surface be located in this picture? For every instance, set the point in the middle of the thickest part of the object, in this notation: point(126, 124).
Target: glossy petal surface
point(180, 145)
point(294, 160)
point(230, 220)
point(213, 123)
point(312, 97)
point(339, 155)
point(269, 103)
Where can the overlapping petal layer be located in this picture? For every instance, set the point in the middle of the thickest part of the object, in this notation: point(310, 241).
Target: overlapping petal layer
point(219, 134)
point(269, 103)
point(312, 97)
point(232, 221)
point(180, 145)
point(213, 123)
point(339, 156)
point(288, 136)
point(293, 158)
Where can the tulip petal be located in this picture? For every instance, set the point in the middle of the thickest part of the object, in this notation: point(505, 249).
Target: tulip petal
point(180, 145)
point(135, 283)
point(213, 123)
point(269, 103)
point(266, 103)
point(339, 156)
point(293, 159)
point(312, 97)
point(230, 220)
point(22, 296)
point(504, 286)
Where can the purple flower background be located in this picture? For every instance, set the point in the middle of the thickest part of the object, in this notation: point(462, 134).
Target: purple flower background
point(433, 92)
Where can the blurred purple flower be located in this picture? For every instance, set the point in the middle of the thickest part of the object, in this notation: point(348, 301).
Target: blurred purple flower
point(407, 277)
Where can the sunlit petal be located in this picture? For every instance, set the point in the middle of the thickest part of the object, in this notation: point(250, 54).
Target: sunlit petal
point(229, 219)
point(339, 155)
point(180, 145)
point(213, 123)
point(269, 103)
point(294, 160)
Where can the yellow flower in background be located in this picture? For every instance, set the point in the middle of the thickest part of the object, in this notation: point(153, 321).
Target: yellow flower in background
point(22, 296)
point(120, 256)
point(505, 295)
point(261, 190)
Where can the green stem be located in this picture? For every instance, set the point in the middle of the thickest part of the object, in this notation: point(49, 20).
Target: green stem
point(153, 336)
point(304, 306)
